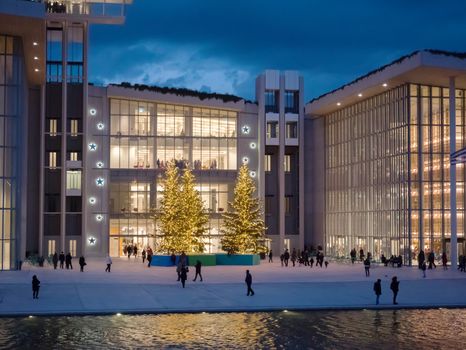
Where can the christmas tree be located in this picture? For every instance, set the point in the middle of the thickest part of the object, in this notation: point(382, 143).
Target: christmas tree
point(243, 226)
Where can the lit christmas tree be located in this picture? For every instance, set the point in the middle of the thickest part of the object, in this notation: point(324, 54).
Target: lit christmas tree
point(243, 226)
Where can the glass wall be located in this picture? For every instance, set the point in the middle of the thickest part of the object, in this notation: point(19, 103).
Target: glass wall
point(10, 80)
point(367, 177)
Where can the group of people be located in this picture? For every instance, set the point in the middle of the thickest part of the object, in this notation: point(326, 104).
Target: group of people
point(300, 257)
point(394, 286)
point(182, 268)
point(130, 250)
point(392, 261)
point(66, 260)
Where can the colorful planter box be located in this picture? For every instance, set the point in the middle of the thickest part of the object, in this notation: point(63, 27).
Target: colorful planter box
point(162, 260)
point(205, 259)
point(241, 260)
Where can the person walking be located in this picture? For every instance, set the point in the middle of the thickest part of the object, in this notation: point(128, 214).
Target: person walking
point(282, 259)
point(198, 270)
point(135, 251)
point(270, 256)
point(293, 257)
point(183, 275)
point(423, 268)
point(82, 263)
point(178, 270)
point(150, 253)
point(61, 258)
point(444, 261)
point(248, 281)
point(68, 263)
point(35, 287)
point(367, 266)
point(143, 255)
point(377, 290)
point(431, 260)
point(287, 257)
point(55, 260)
point(421, 258)
point(353, 255)
point(394, 286)
point(108, 261)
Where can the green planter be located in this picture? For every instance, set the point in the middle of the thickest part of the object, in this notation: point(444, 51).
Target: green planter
point(205, 259)
point(242, 260)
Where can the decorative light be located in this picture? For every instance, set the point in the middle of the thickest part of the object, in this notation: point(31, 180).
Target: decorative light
point(253, 145)
point(92, 146)
point(35, 43)
point(99, 217)
point(93, 111)
point(118, 314)
point(36, 58)
point(36, 69)
point(359, 95)
point(384, 84)
point(252, 174)
point(92, 240)
point(92, 200)
point(285, 310)
point(246, 129)
point(100, 126)
point(245, 160)
point(100, 182)
point(99, 164)
point(338, 103)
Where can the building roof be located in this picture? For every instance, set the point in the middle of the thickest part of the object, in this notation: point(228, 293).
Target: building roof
point(429, 67)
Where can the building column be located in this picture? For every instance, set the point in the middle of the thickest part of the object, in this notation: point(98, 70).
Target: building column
point(453, 217)
point(84, 141)
point(42, 169)
point(63, 137)
point(281, 165)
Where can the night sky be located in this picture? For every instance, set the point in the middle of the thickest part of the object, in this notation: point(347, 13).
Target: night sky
point(222, 45)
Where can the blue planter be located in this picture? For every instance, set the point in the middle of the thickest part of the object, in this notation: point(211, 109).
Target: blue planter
point(164, 260)
point(242, 260)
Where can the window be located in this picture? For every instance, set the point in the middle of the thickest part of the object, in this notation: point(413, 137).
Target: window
point(73, 244)
point(52, 160)
point(291, 130)
point(288, 204)
point(74, 127)
point(268, 204)
point(53, 127)
point(73, 180)
point(287, 163)
point(291, 101)
point(51, 246)
point(272, 130)
point(268, 162)
point(74, 156)
point(271, 101)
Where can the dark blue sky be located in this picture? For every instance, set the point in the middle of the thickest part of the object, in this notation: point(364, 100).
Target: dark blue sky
point(222, 45)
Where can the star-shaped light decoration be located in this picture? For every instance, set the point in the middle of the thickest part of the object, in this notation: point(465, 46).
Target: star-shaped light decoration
point(100, 126)
point(92, 146)
point(100, 181)
point(92, 240)
point(99, 217)
point(100, 164)
point(245, 129)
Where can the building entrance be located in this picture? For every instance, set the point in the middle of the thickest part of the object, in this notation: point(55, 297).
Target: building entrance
point(119, 245)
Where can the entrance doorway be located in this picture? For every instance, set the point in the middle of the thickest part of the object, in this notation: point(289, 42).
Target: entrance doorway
point(120, 244)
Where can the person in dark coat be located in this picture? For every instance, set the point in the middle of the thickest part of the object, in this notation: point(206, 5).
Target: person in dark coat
point(198, 270)
point(68, 263)
point(367, 266)
point(282, 259)
point(353, 255)
point(248, 281)
point(377, 290)
point(423, 268)
point(431, 259)
point(183, 275)
point(35, 287)
point(444, 261)
point(421, 258)
point(394, 286)
point(82, 263)
point(55, 260)
point(149, 256)
point(270, 256)
point(286, 256)
point(61, 258)
point(143, 255)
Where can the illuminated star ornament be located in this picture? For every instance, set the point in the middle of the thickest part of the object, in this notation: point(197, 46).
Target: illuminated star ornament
point(92, 146)
point(99, 181)
point(92, 241)
point(100, 164)
point(245, 129)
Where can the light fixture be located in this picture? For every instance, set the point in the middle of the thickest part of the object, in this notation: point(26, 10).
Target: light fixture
point(252, 173)
point(35, 43)
point(359, 95)
point(100, 126)
point(338, 104)
point(245, 160)
point(100, 182)
point(253, 145)
point(99, 164)
point(36, 69)
point(99, 217)
point(93, 111)
point(36, 58)
point(92, 146)
point(141, 109)
point(246, 129)
point(118, 314)
point(384, 84)
point(92, 240)
point(92, 200)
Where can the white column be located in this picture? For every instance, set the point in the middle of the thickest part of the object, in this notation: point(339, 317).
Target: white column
point(63, 137)
point(281, 166)
point(453, 218)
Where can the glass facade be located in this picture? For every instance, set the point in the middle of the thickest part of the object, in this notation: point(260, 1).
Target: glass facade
point(145, 136)
point(10, 89)
point(367, 177)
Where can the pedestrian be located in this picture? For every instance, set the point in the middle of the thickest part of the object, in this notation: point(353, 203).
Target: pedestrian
point(361, 254)
point(293, 257)
point(353, 255)
point(184, 259)
point(311, 263)
point(198, 270)
point(82, 263)
point(282, 258)
point(61, 258)
point(55, 260)
point(135, 251)
point(143, 255)
point(178, 270)
point(270, 256)
point(394, 286)
point(149, 257)
point(108, 261)
point(184, 275)
point(129, 251)
point(68, 263)
point(423, 268)
point(367, 266)
point(377, 290)
point(421, 258)
point(444, 261)
point(431, 260)
point(287, 257)
point(248, 281)
point(35, 287)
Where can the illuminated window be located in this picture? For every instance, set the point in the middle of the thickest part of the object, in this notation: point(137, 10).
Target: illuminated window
point(291, 130)
point(268, 204)
point(53, 127)
point(268, 162)
point(271, 101)
point(287, 163)
point(272, 130)
point(291, 102)
point(74, 156)
point(74, 127)
point(73, 245)
point(52, 159)
point(73, 180)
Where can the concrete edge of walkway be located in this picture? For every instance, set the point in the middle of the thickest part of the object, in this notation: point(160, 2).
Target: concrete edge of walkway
point(162, 311)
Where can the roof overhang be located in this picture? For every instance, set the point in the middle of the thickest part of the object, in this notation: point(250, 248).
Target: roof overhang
point(424, 67)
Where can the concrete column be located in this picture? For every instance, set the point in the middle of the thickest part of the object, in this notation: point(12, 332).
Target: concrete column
point(84, 144)
point(453, 218)
point(301, 163)
point(63, 137)
point(42, 169)
point(281, 167)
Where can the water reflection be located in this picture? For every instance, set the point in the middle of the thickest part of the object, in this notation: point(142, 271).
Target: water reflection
point(291, 330)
